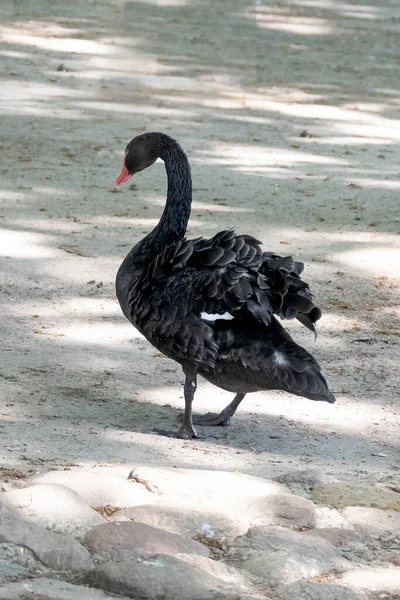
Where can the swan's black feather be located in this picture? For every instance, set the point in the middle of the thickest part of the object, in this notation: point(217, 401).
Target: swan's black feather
point(210, 304)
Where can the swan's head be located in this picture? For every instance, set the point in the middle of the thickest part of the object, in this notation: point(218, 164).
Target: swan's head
point(140, 153)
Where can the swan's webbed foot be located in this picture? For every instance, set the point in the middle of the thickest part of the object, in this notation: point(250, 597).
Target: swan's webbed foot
point(223, 418)
point(183, 433)
point(212, 419)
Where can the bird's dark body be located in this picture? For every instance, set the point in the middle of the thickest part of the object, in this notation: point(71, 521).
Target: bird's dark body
point(210, 305)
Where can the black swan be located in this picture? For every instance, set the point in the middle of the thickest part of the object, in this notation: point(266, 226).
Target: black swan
point(210, 304)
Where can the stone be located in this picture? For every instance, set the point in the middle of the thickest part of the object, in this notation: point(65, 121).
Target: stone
point(177, 517)
point(345, 539)
point(17, 562)
point(330, 517)
point(317, 591)
point(119, 541)
point(153, 577)
point(306, 478)
point(54, 507)
point(287, 510)
point(373, 521)
point(52, 589)
point(54, 550)
point(274, 555)
point(205, 484)
point(217, 568)
point(395, 559)
point(100, 489)
point(224, 521)
point(340, 495)
point(374, 579)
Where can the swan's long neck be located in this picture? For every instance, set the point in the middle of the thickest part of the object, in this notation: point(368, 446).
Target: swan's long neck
point(174, 220)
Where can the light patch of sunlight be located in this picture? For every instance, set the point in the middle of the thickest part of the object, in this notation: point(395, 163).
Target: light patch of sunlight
point(73, 309)
point(18, 97)
point(143, 65)
point(10, 195)
point(382, 261)
point(52, 225)
point(384, 127)
point(344, 141)
point(334, 5)
point(14, 54)
point(67, 45)
point(384, 184)
point(54, 191)
point(256, 157)
point(387, 129)
point(299, 26)
point(20, 90)
point(355, 416)
point(21, 244)
point(218, 208)
point(135, 109)
point(101, 334)
point(40, 110)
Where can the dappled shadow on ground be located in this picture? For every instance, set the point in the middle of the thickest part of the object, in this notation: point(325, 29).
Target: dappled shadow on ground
point(289, 114)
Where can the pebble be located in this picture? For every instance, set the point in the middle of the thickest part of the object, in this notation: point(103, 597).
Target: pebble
point(274, 555)
point(119, 541)
point(100, 489)
point(54, 507)
point(340, 495)
point(54, 550)
point(158, 576)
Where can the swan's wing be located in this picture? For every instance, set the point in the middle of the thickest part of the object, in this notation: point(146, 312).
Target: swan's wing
point(229, 277)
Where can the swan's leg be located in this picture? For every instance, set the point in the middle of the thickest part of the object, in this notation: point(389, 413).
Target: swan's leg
point(223, 417)
point(187, 431)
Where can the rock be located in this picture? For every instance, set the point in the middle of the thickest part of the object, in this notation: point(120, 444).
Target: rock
point(54, 550)
point(224, 520)
point(378, 579)
point(317, 591)
point(119, 541)
point(52, 589)
point(286, 510)
point(17, 562)
point(203, 484)
point(395, 559)
point(217, 568)
point(341, 495)
point(306, 478)
point(345, 539)
point(274, 555)
point(330, 517)
point(100, 489)
point(373, 521)
point(179, 518)
point(153, 577)
point(54, 507)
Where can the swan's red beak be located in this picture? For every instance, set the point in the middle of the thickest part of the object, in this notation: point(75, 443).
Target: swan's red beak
point(124, 175)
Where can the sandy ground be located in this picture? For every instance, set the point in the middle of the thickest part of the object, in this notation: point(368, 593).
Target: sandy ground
point(290, 114)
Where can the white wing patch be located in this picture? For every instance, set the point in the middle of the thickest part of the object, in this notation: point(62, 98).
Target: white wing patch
point(279, 358)
point(212, 317)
